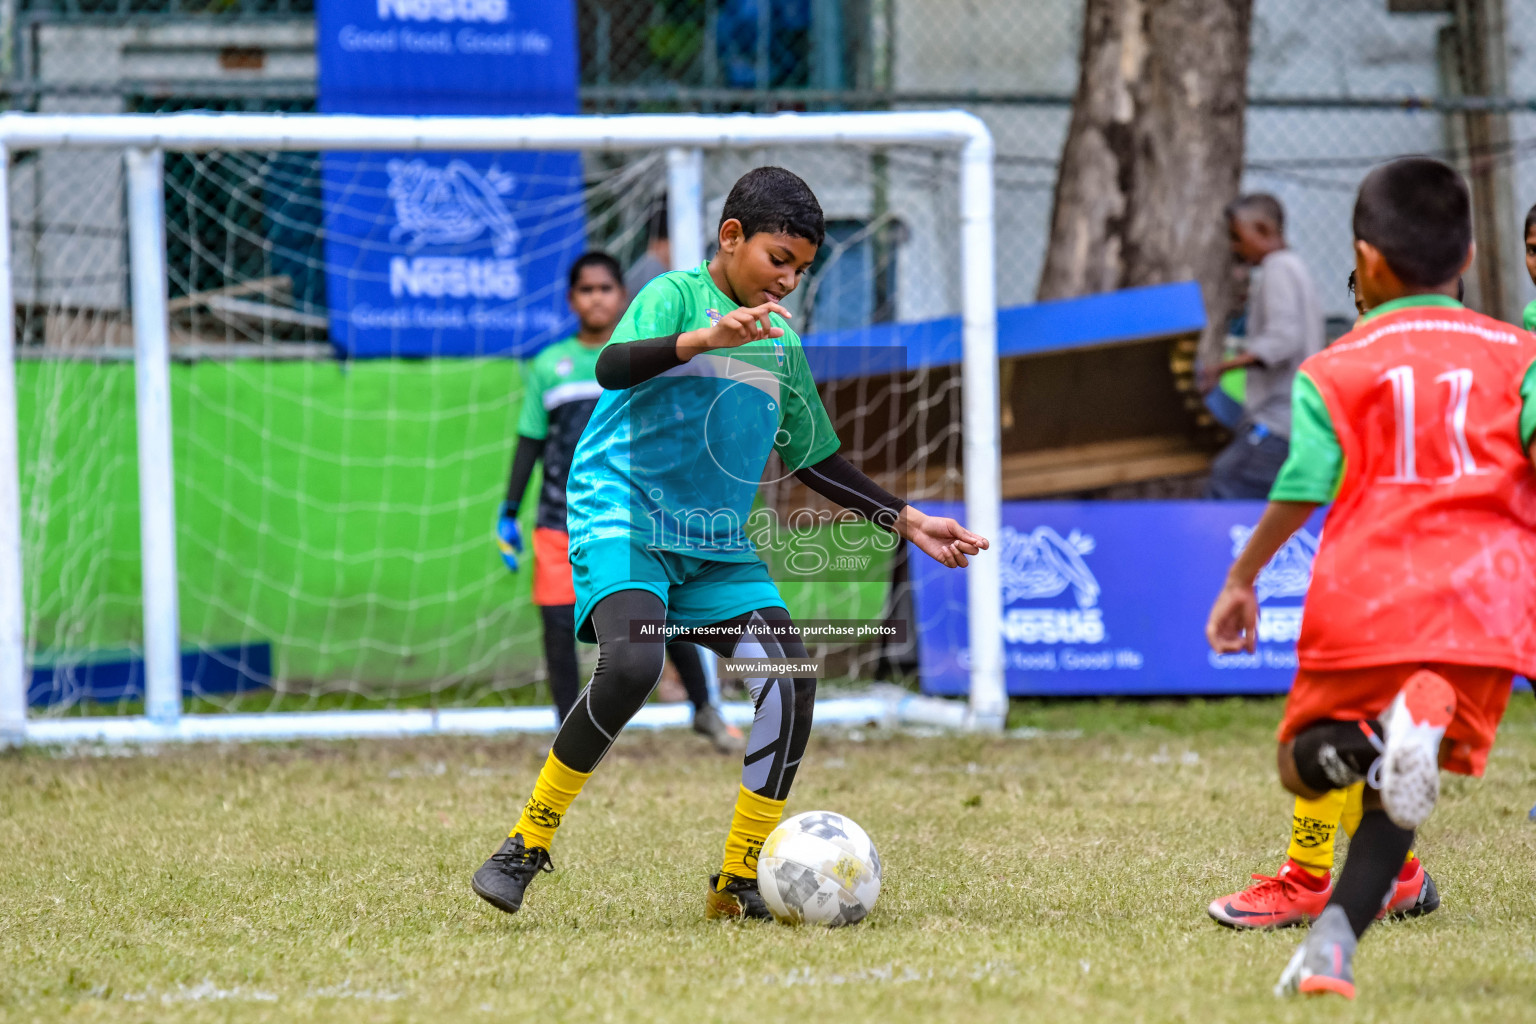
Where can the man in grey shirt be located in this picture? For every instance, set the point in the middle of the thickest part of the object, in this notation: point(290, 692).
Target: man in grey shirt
point(1285, 326)
point(657, 258)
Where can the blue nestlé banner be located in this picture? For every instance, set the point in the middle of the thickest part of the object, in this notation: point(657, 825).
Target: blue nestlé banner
point(1112, 598)
point(452, 254)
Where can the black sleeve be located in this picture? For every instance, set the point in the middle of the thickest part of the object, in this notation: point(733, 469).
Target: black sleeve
point(529, 449)
point(837, 479)
point(633, 362)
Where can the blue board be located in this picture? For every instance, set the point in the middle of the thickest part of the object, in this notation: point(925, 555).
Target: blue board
point(446, 56)
point(1111, 598)
point(449, 254)
point(209, 671)
point(1111, 318)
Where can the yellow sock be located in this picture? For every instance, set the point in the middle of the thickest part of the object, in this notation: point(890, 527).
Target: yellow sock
point(554, 792)
point(755, 817)
point(1354, 808)
point(1314, 826)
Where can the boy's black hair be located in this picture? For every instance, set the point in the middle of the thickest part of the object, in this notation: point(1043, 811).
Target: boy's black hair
point(1418, 213)
point(1261, 203)
point(1530, 220)
point(777, 201)
point(594, 258)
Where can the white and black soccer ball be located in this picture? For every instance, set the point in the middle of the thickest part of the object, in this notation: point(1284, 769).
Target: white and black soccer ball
point(819, 868)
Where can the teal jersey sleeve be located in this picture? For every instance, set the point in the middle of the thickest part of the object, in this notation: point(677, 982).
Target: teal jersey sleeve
point(1528, 321)
point(1528, 402)
point(806, 435)
point(1315, 467)
point(533, 421)
point(661, 308)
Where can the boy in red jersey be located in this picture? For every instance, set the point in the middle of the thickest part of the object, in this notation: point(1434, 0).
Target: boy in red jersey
point(1418, 424)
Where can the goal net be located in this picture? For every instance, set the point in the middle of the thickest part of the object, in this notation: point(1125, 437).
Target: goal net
point(344, 329)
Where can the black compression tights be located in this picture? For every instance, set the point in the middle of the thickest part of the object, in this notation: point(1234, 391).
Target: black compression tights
point(560, 660)
point(627, 672)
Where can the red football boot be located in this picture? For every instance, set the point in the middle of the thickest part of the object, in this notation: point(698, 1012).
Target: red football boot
point(1291, 897)
point(1414, 893)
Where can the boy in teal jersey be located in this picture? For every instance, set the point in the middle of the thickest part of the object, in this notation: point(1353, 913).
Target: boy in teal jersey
point(703, 380)
point(561, 394)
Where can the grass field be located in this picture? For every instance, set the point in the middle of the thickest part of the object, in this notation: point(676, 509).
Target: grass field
point(1057, 875)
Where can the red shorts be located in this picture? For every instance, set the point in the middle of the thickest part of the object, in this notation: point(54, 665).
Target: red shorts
point(552, 567)
point(1357, 694)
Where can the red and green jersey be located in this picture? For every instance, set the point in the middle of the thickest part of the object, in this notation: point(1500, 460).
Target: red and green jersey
point(1417, 425)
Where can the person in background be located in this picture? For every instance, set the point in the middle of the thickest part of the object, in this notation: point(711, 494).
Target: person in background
point(1528, 321)
point(562, 392)
point(1285, 326)
point(657, 258)
point(1224, 399)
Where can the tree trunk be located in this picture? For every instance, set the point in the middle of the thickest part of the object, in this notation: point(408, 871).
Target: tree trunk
point(1154, 152)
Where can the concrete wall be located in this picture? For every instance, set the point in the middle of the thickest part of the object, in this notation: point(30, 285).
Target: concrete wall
point(68, 206)
point(1312, 159)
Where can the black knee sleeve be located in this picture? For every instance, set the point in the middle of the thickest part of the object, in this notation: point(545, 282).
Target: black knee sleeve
point(1332, 755)
point(781, 728)
point(781, 725)
point(626, 674)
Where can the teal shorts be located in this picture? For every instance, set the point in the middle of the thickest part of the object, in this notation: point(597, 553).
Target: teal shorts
point(695, 591)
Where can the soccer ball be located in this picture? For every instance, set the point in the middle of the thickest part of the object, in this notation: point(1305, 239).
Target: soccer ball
point(818, 868)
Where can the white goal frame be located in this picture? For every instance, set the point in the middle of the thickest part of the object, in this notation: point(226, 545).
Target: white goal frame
point(144, 139)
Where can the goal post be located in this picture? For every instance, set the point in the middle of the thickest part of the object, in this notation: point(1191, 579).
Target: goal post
point(144, 140)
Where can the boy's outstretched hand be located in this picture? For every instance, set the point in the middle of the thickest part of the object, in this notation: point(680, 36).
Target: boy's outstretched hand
point(736, 328)
point(1234, 622)
point(943, 540)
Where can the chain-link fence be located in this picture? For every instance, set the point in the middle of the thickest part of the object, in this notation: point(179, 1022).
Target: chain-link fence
point(1332, 86)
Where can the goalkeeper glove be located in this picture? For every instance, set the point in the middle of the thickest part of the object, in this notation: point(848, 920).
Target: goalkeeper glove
point(508, 538)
